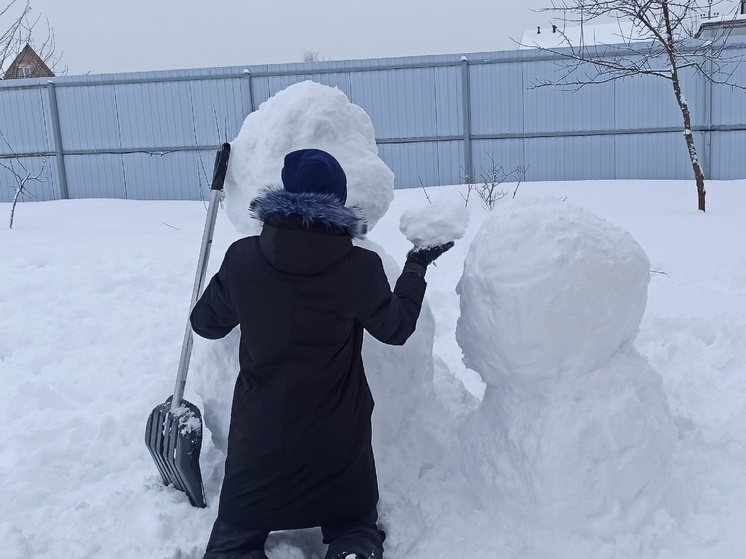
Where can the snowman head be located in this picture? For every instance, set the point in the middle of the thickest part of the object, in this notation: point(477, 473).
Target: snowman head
point(548, 291)
point(306, 115)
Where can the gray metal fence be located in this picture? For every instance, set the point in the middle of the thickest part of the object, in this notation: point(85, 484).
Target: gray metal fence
point(437, 118)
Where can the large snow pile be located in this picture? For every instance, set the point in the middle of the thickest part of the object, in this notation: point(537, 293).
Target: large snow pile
point(308, 115)
point(574, 426)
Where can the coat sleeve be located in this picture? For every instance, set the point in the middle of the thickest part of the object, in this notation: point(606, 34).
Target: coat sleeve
point(392, 317)
point(214, 315)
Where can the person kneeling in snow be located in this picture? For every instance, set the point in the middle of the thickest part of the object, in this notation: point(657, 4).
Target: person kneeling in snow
point(299, 447)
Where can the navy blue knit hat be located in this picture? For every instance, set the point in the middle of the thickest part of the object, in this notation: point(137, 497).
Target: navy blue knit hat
point(314, 170)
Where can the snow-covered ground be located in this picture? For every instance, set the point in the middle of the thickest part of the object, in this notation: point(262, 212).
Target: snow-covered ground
point(93, 304)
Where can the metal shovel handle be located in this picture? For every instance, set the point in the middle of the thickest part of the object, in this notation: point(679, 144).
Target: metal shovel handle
point(218, 178)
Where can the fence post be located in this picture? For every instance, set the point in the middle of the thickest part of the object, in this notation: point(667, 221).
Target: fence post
point(466, 92)
point(59, 152)
point(248, 96)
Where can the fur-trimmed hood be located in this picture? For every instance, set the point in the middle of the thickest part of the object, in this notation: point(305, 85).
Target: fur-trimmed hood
point(314, 210)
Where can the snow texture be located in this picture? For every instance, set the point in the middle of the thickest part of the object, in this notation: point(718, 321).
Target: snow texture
point(551, 289)
point(94, 303)
point(434, 224)
point(574, 426)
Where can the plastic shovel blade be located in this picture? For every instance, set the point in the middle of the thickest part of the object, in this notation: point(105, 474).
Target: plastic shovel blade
point(174, 440)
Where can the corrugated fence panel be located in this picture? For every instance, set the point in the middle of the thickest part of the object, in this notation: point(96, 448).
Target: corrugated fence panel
point(416, 93)
point(570, 158)
point(449, 105)
point(155, 115)
point(652, 156)
point(387, 102)
point(729, 103)
point(95, 176)
point(428, 163)
point(47, 188)
point(506, 153)
point(644, 103)
point(551, 109)
point(497, 98)
point(402, 103)
point(25, 122)
point(367, 94)
point(88, 117)
point(172, 176)
point(217, 110)
point(728, 148)
point(729, 155)
point(693, 89)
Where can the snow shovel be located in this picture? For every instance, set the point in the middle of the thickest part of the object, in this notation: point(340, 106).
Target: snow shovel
point(173, 434)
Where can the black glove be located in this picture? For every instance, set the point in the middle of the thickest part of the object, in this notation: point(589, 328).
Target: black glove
point(419, 258)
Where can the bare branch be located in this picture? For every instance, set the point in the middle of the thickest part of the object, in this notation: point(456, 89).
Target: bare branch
point(424, 190)
point(21, 178)
point(18, 28)
point(491, 178)
point(11, 26)
point(659, 38)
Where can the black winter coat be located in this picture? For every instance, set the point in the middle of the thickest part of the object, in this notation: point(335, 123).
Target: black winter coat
point(299, 447)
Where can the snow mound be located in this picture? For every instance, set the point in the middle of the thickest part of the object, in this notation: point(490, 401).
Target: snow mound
point(548, 289)
point(574, 427)
point(592, 455)
point(306, 115)
point(434, 224)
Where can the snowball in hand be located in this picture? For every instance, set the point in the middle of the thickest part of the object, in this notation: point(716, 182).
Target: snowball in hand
point(306, 115)
point(434, 224)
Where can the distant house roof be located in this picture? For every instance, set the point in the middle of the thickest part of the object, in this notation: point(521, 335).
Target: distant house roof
point(734, 25)
point(554, 36)
point(27, 64)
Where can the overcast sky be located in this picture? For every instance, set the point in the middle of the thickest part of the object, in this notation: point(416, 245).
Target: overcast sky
point(103, 36)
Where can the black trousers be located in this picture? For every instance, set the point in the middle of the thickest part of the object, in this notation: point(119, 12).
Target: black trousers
point(233, 542)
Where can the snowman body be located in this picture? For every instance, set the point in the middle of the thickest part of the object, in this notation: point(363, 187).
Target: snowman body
point(574, 426)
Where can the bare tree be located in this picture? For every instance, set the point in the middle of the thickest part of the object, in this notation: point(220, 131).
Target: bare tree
point(18, 28)
point(21, 176)
point(310, 55)
point(661, 43)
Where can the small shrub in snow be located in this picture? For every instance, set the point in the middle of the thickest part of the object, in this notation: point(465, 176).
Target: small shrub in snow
point(491, 179)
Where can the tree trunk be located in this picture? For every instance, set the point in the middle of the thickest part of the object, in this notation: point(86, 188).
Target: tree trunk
point(699, 175)
point(19, 190)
